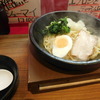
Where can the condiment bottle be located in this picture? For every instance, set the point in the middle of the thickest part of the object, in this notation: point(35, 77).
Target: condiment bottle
point(4, 22)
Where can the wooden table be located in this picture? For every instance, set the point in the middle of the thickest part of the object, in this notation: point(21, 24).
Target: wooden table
point(16, 47)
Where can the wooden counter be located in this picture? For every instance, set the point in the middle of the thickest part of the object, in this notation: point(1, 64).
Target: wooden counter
point(16, 47)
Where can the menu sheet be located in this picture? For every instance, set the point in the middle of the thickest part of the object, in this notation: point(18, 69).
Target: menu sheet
point(91, 7)
point(26, 11)
point(22, 11)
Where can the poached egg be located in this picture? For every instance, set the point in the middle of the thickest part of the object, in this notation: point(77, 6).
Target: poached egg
point(62, 45)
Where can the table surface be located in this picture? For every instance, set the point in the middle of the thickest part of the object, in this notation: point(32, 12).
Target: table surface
point(16, 47)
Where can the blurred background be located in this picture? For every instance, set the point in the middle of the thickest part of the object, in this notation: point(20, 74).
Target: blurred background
point(21, 13)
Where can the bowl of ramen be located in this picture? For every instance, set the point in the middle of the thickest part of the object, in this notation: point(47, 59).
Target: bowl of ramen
point(67, 40)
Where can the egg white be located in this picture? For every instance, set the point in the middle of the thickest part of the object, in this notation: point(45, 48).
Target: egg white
point(61, 52)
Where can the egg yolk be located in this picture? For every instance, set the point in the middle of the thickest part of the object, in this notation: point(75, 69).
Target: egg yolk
point(61, 42)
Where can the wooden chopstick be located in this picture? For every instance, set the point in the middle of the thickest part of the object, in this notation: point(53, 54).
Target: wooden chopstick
point(41, 88)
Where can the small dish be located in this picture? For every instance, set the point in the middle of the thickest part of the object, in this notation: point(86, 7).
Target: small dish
point(8, 65)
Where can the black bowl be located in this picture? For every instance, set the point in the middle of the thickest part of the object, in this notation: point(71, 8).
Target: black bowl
point(9, 64)
point(36, 41)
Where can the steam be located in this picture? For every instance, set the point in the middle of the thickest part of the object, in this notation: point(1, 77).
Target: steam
point(92, 24)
